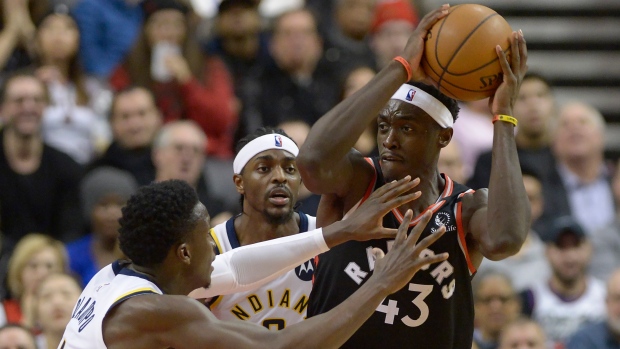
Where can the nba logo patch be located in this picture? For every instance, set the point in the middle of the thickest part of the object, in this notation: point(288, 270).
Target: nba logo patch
point(278, 140)
point(410, 95)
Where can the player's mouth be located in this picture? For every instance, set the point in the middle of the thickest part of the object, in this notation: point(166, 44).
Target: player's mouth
point(389, 156)
point(279, 196)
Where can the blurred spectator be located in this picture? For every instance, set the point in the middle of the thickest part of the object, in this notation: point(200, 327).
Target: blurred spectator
point(299, 86)
point(450, 163)
point(535, 109)
point(178, 153)
point(16, 38)
point(606, 240)
point(38, 184)
point(570, 297)
point(135, 121)
point(104, 192)
point(473, 132)
point(356, 79)
point(523, 333)
point(529, 265)
point(495, 305)
point(34, 257)
point(604, 334)
point(75, 121)
point(54, 301)
point(578, 144)
point(239, 40)
point(393, 24)
point(347, 42)
point(15, 336)
point(108, 30)
point(186, 84)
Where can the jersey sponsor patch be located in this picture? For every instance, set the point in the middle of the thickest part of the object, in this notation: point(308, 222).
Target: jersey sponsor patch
point(305, 271)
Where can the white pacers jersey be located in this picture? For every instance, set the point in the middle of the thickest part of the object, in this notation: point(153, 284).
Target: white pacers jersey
point(275, 305)
point(110, 286)
point(561, 318)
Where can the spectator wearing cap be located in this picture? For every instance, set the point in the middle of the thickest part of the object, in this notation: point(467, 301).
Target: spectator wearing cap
point(108, 30)
point(104, 192)
point(239, 39)
point(187, 85)
point(393, 24)
point(242, 43)
point(570, 297)
point(604, 334)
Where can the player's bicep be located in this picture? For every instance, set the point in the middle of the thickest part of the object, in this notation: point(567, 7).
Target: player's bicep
point(342, 178)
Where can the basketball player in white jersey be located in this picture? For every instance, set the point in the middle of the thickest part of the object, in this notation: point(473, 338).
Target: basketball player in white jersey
point(164, 232)
point(266, 176)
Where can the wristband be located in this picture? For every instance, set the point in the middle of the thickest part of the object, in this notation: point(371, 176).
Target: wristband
point(505, 118)
point(406, 65)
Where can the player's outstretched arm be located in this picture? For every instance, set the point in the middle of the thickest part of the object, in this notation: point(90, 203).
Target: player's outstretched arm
point(326, 162)
point(152, 321)
point(500, 222)
point(248, 267)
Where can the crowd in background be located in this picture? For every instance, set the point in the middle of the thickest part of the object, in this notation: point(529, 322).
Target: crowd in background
point(100, 97)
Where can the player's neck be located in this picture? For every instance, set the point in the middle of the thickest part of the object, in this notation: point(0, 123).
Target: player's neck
point(431, 185)
point(256, 227)
point(164, 278)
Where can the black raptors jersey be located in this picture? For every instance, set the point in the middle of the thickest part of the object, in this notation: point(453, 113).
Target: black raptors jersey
point(435, 310)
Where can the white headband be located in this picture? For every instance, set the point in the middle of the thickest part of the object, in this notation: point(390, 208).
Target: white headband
point(259, 145)
point(437, 110)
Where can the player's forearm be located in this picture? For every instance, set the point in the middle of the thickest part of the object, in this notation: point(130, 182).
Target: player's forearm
point(335, 133)
point(248, 267)
point(508, 212)
point(334, 328)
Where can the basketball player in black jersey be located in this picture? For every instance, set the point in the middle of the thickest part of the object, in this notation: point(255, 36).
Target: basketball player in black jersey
point(435, 309)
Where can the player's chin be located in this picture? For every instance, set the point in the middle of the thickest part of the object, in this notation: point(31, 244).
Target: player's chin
point(392, 170)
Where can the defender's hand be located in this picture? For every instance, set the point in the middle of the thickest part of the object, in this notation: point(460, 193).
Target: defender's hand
point(512, 75)
point(366, 222)
point(415, 45)
point(397, 268)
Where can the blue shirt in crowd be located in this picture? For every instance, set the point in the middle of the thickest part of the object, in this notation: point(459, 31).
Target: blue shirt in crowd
point(81, 259)
point(108, 30)
point(593, 336)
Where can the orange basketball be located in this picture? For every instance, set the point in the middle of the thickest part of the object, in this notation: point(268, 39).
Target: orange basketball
point(460, 52)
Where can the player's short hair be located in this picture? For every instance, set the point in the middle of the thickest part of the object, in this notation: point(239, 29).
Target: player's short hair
point(450, 103)
point(156, 218)
point(261, 131)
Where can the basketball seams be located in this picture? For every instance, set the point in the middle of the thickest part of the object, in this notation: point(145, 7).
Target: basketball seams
point(445, 70)
point(467, 46)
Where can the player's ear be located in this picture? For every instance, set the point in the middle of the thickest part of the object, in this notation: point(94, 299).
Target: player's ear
point(239, 184)
point(183, 253)
point(445, 135)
